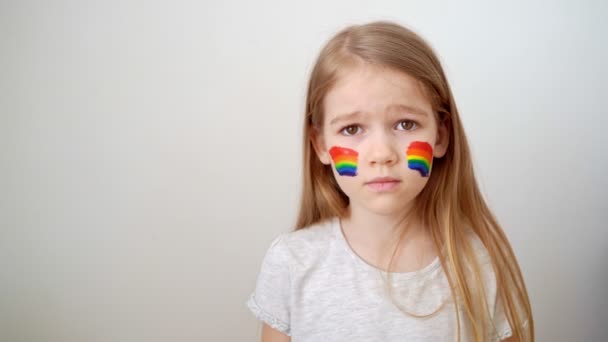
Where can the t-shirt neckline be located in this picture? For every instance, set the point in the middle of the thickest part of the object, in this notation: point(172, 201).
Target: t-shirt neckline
point(339, 233)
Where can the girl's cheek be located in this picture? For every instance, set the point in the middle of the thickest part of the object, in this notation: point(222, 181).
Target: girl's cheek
point(345, 160)
point(420, 157)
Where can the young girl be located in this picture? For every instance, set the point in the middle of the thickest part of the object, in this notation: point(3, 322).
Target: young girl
point(394, 241)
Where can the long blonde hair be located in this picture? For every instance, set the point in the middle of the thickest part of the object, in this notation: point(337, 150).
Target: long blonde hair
point(450, 201)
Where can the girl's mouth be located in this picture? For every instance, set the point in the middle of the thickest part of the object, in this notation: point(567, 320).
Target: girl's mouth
point(383, 184)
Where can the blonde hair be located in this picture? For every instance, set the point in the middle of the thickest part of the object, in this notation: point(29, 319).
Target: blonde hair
point(450, 201)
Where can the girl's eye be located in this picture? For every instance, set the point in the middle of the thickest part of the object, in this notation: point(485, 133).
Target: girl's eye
point(351, 130)
point(406, 125)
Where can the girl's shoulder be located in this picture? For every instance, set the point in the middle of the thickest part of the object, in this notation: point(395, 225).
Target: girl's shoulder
point(480, 250)
point(304, 246)
point(315, 234)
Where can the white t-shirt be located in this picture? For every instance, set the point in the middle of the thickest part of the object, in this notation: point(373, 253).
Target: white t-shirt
point(313, 287)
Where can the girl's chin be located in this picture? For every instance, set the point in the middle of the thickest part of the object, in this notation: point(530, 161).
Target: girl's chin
point(384, 204)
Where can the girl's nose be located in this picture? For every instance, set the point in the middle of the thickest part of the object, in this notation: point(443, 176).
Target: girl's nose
point(382, 152)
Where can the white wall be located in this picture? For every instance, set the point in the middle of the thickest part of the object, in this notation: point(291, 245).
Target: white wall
point(150, 152)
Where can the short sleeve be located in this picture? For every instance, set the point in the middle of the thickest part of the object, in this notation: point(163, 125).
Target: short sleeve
point(500, 321)
point(503, 328)
point(270, 300)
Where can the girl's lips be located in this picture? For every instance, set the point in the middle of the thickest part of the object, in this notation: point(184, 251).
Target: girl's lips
point(383, 185)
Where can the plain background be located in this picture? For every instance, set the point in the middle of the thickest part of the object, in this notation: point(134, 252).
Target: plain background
point(150, 151)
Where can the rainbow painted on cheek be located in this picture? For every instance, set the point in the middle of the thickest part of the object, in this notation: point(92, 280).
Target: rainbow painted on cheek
point(420, 157)
point(345, 160)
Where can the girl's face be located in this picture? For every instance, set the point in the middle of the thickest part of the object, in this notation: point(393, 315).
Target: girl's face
point(380, 135)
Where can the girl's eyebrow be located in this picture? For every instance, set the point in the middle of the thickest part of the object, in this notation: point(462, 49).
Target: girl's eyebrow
point(345, 117)
point(393, 107)
point(408, 108)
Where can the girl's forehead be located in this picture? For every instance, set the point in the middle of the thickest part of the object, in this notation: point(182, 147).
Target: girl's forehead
point(373, 89)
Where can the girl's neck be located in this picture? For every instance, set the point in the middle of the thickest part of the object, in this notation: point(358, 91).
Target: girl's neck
point(380, 231)
point(374, 237)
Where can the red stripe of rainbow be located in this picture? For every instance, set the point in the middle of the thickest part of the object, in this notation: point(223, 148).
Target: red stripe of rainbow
point(345, 160)
point(420, 157)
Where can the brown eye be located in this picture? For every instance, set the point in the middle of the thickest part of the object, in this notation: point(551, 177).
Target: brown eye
point(350, 130)
point(406, 125)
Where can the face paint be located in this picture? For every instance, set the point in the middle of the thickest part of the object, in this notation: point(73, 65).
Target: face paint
point(420, 157)
point(345, 160)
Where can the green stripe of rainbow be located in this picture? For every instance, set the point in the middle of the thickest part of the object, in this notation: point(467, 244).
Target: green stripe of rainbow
point(420, 157)
point(345, 160)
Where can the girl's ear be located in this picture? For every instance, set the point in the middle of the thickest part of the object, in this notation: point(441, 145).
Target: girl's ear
point(443, 140)
point(316, 138)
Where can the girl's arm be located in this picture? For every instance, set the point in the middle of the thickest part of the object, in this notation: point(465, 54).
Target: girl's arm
point(271, 335)
point(511, 339)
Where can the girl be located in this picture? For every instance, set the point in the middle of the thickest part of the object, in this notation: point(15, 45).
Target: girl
point(394, 241)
